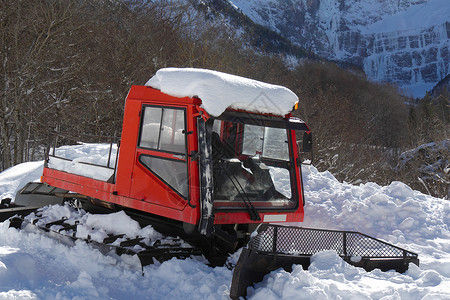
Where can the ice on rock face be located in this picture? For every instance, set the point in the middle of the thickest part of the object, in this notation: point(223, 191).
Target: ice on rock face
point(403, 42)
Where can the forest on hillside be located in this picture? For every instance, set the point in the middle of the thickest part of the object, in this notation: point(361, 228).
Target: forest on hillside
point(67, 65)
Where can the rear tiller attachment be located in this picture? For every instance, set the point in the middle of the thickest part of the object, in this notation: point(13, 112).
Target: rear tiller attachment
point(276, 246)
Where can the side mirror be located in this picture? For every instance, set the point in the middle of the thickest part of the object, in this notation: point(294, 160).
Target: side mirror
point(307, 142)
point(305, 149)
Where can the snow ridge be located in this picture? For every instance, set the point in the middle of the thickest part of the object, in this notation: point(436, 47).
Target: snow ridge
point(34, 266)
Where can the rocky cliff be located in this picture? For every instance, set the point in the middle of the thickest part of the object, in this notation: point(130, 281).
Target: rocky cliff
point(405, 42)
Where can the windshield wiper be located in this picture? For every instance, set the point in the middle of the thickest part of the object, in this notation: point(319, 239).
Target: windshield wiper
point(254, 215)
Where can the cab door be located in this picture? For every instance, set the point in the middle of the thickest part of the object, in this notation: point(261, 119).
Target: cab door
point(160, 174)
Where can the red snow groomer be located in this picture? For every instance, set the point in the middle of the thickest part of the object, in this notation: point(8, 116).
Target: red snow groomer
point(212, 178)
point(214, 175)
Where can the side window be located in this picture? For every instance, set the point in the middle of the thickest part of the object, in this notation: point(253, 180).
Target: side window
point(267, 141)
point(173, 172)
point(163, 129)
point(276, 143)
point(253, 139)
point(150, 127)
point(172, 137)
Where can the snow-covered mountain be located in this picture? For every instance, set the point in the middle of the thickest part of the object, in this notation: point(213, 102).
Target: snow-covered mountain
point(405, 42)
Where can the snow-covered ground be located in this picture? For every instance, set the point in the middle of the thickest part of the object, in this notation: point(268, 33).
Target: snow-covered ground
point(34, 266)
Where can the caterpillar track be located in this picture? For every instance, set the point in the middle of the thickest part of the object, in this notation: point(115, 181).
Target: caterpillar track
point(59, 213)
point(146, 248)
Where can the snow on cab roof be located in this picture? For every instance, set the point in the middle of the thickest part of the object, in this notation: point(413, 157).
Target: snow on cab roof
point(219, 91)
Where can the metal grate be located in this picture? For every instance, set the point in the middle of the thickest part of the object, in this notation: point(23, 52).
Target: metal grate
point(305, 241)
point(276, 246)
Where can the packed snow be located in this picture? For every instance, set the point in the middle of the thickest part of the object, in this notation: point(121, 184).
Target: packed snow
point(219, 91)
point(36, 266)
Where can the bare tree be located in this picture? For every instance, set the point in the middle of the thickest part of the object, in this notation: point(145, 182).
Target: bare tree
point(36, 45)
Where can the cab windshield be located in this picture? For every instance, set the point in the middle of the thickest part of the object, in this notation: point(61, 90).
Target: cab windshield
point(252, 163)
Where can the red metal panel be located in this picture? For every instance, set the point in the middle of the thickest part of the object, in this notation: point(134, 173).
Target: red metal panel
point(130, 131)
point(104, 191)
point(194, 181)
point(298, 170)
point(147, 187)
point(146, 93)
point(63, 179)
point(244, 217)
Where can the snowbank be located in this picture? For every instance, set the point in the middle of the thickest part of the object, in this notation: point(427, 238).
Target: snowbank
point(34, 266)
point(219, 91)
point(329, 277)
point(394, 213)
point(13, 179)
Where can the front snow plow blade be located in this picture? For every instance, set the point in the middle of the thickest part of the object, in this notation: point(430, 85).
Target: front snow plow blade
point(276, 246)
point(31, 197)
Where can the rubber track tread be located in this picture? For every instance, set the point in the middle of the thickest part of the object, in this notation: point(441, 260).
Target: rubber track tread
point(159, 251)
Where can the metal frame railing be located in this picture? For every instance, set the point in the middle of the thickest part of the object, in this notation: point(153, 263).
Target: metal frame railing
point(276, 246)
point(112, 140)
point(290, 240)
